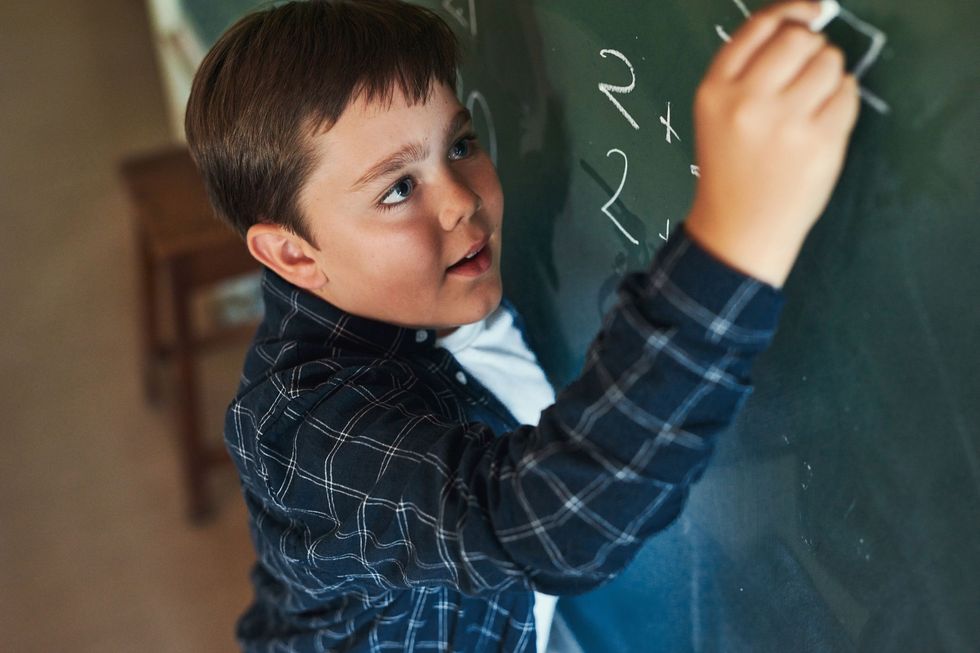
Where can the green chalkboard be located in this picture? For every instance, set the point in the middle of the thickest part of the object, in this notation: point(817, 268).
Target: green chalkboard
point(842, 511)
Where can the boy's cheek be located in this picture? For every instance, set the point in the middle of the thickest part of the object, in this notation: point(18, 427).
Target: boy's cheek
point(493, 196)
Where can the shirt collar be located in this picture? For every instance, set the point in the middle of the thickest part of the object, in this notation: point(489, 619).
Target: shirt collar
point(464, 336)
point(292, 313)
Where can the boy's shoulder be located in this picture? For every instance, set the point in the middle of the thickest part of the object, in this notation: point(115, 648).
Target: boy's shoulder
point(299, 328)
point(317, 379)
point(306, 351)
point(305, 336)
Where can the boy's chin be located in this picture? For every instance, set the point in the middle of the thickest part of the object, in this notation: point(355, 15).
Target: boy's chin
point(479, 313)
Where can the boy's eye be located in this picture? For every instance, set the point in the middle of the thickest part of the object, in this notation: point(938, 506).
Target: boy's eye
point(399, 191)
point(462, 148)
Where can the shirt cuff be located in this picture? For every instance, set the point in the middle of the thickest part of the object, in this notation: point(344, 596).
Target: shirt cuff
point(710, 299)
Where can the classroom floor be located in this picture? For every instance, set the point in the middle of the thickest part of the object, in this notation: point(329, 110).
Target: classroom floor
point(95, 552)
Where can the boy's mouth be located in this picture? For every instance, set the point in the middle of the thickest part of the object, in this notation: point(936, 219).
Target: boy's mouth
point(473, 264)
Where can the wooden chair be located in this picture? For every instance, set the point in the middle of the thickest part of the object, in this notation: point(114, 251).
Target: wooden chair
point(179, 240)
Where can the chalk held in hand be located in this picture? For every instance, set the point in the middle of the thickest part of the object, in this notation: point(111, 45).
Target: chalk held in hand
point(829, 10)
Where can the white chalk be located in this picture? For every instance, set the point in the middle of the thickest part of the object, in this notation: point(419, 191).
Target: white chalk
point(829, 10)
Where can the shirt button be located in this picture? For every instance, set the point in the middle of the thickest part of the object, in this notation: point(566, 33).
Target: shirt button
point(421, 335)
point(461, 377)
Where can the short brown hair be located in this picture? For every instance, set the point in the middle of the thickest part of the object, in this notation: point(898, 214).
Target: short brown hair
point(280, 75)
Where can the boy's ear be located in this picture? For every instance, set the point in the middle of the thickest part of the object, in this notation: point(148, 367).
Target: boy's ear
point(286, 254)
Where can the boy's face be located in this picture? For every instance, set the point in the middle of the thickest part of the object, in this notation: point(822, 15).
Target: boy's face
point(389, 235)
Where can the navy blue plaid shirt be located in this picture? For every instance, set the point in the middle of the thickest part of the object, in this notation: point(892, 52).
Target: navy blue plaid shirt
point(397, 506)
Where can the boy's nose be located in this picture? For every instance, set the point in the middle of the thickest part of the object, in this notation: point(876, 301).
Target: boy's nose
point(460, 202)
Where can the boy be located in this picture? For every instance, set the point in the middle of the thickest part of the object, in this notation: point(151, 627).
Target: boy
point(400, 495)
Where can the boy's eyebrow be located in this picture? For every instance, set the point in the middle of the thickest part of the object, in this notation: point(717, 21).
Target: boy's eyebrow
point(410, 153)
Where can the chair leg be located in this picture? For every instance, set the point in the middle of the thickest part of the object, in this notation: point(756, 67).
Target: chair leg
point(149, 325)
point(193, 453)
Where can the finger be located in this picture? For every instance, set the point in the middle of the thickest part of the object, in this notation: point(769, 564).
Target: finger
point(818, 80)
point(780, 60)
point(840, 111)
point(758, 29)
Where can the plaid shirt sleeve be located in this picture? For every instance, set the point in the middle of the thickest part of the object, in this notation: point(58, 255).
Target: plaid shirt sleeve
point(368, 485)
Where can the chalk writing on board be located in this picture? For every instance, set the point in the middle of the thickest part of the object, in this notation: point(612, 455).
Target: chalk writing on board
point(609, 89)
point(466, 19)
point(874, 49)
point(696, 171)
point(612, 200)
point(878, 40)
point(665, 237)
point(741, 7)
point(476, 97)
point(666, 122)
point(720, 31)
